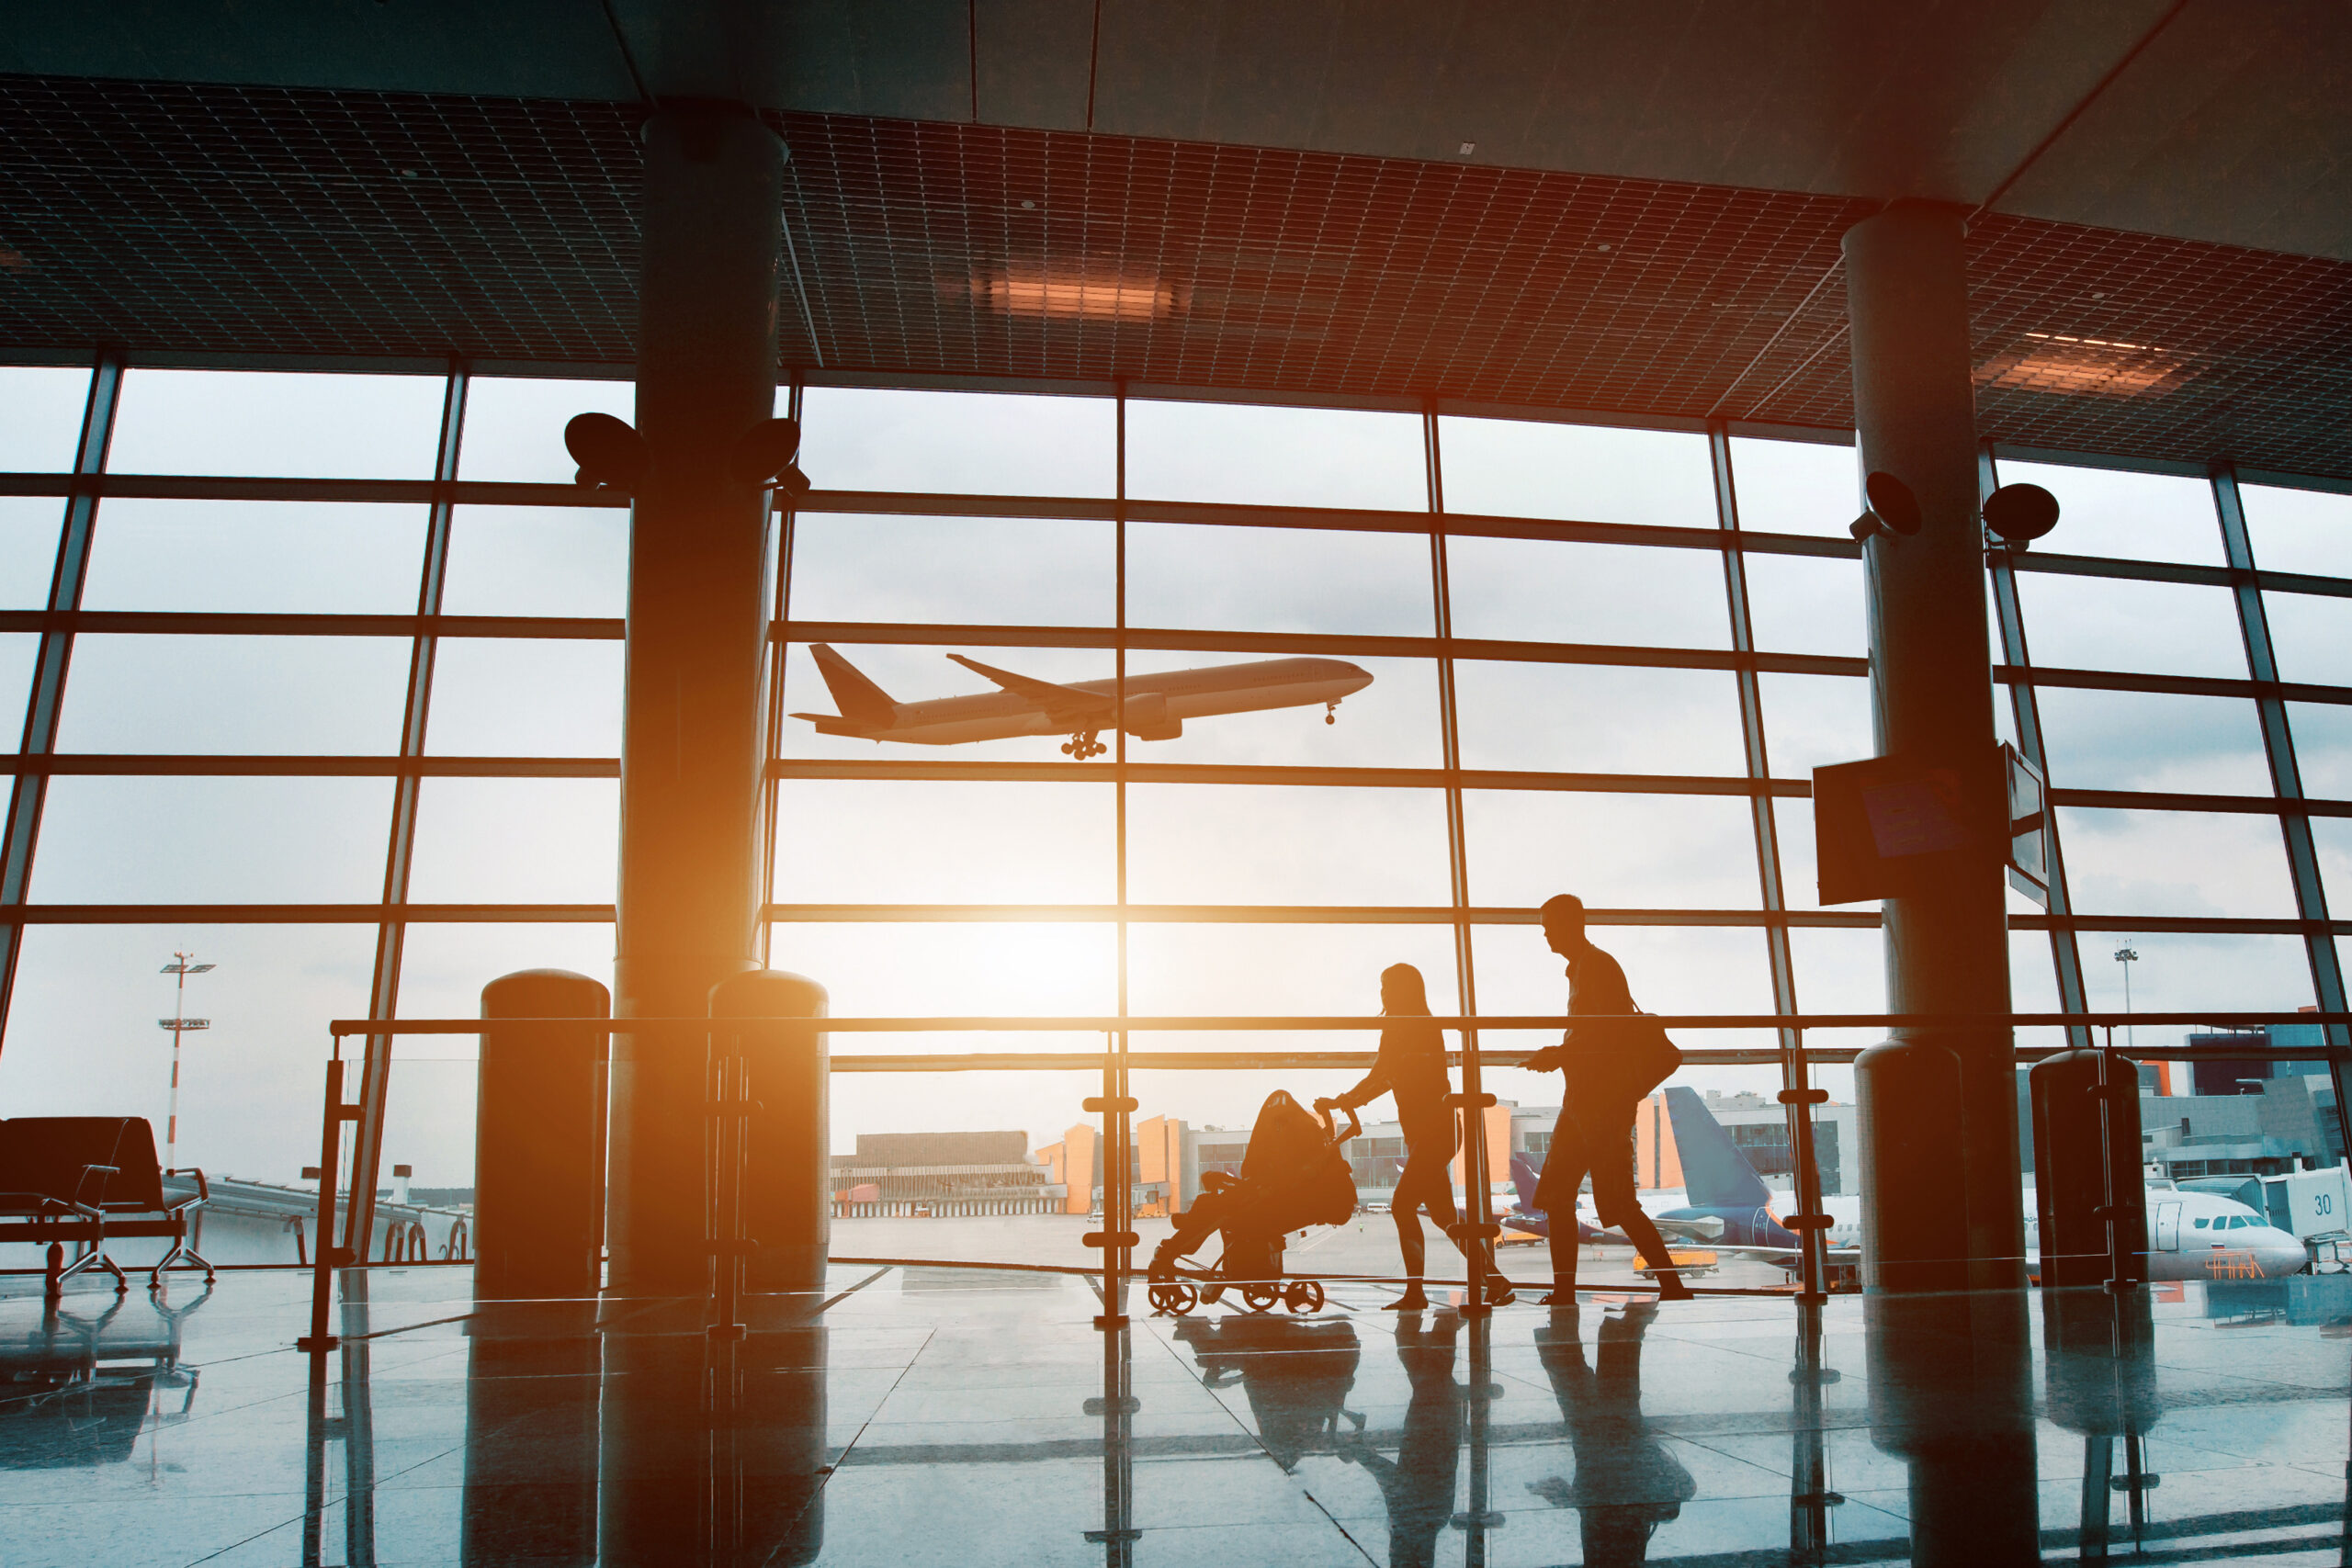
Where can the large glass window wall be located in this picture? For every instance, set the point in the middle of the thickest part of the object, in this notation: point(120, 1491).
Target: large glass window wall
point(323, 673)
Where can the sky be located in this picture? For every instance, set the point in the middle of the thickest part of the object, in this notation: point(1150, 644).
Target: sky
point(83, 1035)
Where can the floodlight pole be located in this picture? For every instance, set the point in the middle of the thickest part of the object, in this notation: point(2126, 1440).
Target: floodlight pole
point(178, 1022)
point(2128, 955)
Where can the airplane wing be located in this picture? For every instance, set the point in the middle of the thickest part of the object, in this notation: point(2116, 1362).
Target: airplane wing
point(1064, 705)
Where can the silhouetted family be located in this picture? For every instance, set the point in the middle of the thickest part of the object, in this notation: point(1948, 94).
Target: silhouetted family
point(1607, 1065)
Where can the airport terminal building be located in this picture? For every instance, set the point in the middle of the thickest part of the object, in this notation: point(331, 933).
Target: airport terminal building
point(631, 630)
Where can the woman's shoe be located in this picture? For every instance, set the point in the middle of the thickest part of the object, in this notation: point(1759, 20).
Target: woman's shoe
point(1559, 1299)
point(1413, 1300)
point(1500, 1296)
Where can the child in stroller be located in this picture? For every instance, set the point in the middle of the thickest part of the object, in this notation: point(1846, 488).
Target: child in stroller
point(1292, 1176)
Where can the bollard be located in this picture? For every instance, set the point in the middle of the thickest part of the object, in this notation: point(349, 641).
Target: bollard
point(788, 1186)
point(2082, 1170)
point(1915, 1216)
point(538, 1227)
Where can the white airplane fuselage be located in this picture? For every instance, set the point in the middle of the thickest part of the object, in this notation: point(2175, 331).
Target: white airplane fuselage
point(2191, 1236)
point(1157, 705)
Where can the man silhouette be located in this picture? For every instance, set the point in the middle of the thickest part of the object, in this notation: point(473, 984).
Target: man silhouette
point(1600, 1094)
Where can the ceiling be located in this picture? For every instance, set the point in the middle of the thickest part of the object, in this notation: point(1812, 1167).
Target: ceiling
point(1647, 221)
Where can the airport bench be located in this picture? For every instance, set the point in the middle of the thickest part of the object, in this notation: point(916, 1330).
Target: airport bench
point(86, 1180)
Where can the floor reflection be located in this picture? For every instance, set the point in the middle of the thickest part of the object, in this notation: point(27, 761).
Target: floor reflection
point(1418, 1484)
point(1626, 1482)
point(77, 1389)
point(938, 1424)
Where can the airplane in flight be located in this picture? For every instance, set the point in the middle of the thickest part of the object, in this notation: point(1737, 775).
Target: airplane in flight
point(2191, 1236)
point(1157, 708)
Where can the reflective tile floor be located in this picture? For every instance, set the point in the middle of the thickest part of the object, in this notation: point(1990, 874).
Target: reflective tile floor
point(954, 1416)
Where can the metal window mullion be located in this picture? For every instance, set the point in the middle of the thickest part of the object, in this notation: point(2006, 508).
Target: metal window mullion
point(1118, 1126)
point(44, 705)
point(1476, 1158)
point(788, 514)
point(1751, 722)
point(391, 937)
point(2025, 705)
point(2286, 777)
point(1797, 1079)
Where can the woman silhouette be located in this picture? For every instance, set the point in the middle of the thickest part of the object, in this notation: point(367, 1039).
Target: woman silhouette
point(1411, 1066)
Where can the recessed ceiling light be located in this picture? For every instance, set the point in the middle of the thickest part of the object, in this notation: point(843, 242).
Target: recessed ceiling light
point(2072, 365)
point(1102, 290)
point(1028, 207)
point(1468, 148)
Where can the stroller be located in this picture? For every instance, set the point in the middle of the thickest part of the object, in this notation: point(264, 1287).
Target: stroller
point(1292, 1176)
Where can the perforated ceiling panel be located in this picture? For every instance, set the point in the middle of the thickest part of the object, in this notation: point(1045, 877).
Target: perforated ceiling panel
point(209, 219)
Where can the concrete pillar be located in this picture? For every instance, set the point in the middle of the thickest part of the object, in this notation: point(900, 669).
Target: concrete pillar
point(538, 1226)
point(788, 1186)
point(1931, 700)
point(692, 744)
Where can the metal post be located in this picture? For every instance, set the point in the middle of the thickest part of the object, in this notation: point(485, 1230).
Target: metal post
point(2285, 779)
point(384, 984)
point(1481, 1515)
point(1476, 1231)
point(1117, 1407)
point(1797, 1094)
point(329, 1254)
point(730, 1106)
point(1810, 1498)
point(2024, 711)
point(45, 705)
point(1811, 1220)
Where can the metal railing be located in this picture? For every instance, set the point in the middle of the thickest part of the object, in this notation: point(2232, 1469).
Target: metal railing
point(1116, 1104)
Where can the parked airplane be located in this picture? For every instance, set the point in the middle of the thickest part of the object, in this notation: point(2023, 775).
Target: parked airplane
point(1157, 706)
point(2191, 1236)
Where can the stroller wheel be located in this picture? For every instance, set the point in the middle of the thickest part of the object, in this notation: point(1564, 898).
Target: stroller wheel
point(1304, 1295)
point(1260, 1298)
point(1175, 1299)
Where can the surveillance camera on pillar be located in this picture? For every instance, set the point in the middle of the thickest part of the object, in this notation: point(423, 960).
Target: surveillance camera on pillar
point(1891, 508)
point(613, 456)
point(2018, 514)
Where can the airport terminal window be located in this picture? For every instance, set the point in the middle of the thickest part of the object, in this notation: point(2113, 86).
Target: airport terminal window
point(1270, 863)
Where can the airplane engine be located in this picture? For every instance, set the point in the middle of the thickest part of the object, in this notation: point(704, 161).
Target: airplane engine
point(1148, 718)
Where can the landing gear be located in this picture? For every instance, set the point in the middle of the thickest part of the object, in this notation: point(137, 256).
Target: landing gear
point(1330, 713)
point(1084, 745)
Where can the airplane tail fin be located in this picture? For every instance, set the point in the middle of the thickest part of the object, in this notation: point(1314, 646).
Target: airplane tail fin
point(1714, 1173)
point(859, 699)
point(1522, 1176)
